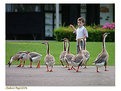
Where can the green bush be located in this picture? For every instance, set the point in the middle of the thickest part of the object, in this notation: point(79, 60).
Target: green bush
point(94, 33)
point(64, 32)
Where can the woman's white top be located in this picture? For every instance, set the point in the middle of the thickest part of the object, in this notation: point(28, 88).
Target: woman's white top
point(81, 32)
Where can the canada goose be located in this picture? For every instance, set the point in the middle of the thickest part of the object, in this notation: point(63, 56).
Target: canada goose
point(68, 55)
point(86, 54)
point(78, 59)
point(62, 55)
point(34, 57)
point(18, 57)
point(102, 58)
point(49, 59)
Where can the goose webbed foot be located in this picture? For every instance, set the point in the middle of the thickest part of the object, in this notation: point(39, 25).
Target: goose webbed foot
point(66, 66)
point(51, 70)
point(30, 67)
point(85, 67)
point(69, 69)
point(47, 70)
point(106, 70)
point(19, 66)
point(38, 66)
point(78, 69)
point(73, 68)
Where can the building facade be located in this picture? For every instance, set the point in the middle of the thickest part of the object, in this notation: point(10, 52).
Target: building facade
point(37, 21)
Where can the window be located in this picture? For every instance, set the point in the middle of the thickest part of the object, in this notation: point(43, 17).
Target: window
point(23, 8)
point(83, 11)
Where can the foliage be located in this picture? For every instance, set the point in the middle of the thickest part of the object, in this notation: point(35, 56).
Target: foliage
point(95, 33)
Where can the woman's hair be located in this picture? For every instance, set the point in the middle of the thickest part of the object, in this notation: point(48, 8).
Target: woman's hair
point(81, 19)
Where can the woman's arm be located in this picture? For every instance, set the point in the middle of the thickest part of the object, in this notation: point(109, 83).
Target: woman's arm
point(72, 27)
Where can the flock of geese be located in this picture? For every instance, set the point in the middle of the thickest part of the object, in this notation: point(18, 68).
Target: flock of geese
point(71, 61)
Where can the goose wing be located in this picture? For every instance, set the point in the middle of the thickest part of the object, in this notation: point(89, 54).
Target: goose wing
point(69, 57)
point(86, 54)
point(24, 56)
point(78, 59)
point(102, 57)
point(22, 52)
point(62, 55)
point(49, 60)
point(34, 54)
point(17, 57)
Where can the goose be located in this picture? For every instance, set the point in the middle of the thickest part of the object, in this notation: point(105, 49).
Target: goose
point(102, 58)
point(68, 56)
point(78, 59)
point(49, 59)
point(86, 54)
point(34, 57)
point(18, 57)
point(62, 55)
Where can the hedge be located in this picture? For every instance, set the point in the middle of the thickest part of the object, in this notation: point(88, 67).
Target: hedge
point(95, 34)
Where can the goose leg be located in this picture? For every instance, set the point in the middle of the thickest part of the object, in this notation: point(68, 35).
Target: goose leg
point(23, 64)
point(78, 69)
point(51, 69)
point(85, 65)
point(47, 68)
point(97, 69)
point(38, 66)
point(30, 64)
point(73, 68)
point(61, 62)
point(68, 67)
point(19, 64)
point(106, 68)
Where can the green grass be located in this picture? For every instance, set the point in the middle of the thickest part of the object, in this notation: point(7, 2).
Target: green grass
point(94, 48)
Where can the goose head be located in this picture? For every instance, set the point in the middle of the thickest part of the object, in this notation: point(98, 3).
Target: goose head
point(105, 35)
point(65, 39)
point(11, 60)
point(45, 43)
point(9, 63)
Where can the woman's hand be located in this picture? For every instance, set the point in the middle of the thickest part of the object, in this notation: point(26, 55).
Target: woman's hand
point(71, 26)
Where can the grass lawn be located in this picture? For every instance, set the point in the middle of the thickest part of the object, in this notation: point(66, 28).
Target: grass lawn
point(94, 48)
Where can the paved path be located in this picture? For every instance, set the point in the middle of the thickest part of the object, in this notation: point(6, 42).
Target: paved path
point(59, 77)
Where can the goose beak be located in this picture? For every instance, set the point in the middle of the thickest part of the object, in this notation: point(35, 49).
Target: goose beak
point(43, 43)
point(9, 64)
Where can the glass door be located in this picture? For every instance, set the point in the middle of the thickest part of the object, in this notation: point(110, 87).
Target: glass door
point(48, 24)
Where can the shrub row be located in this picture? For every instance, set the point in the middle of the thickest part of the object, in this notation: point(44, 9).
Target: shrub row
point(95, 34)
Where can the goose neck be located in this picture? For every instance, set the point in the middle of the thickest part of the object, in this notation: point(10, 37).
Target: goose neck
point(104, 44)
point(79, 46)
point(68, 46)
point(64, 46)
point(84, 44)
point(48, 49)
